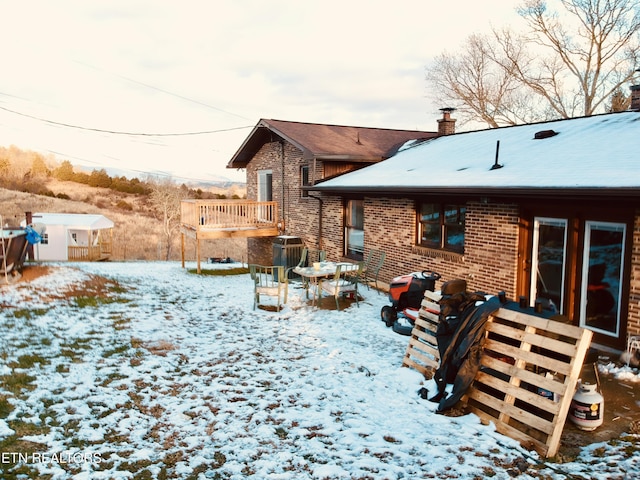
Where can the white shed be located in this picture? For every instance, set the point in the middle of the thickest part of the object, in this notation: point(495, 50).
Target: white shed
point(74, 237)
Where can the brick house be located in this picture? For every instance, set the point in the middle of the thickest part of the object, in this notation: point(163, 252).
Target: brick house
point(281, 158)
point(547, 211)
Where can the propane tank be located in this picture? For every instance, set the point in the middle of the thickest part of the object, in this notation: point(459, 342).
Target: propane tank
point(587, 407)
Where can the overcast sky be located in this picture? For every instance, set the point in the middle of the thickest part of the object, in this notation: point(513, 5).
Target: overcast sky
point(76, 73)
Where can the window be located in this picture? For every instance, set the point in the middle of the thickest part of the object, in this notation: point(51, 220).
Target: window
point(603, 261)
point(265, 188)
point(354, 229)
point(549, 260)
point(45, 239)
point(304, 180)
point(441, 226)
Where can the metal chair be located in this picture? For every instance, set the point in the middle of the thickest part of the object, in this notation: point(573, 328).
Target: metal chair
point(372, 266)
point(344, 282)
point(269, 280)
point(307, 257)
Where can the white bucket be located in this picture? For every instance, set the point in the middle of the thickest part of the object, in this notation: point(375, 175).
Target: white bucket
point(587, 407)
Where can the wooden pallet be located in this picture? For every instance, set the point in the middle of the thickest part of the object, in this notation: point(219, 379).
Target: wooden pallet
point(527, 359)
point(422, 351)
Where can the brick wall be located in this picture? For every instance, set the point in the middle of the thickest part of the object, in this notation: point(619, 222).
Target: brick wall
point(491, 247)
point(491, 244)
point(260, 250)
point(301, 214)
point(633, 326)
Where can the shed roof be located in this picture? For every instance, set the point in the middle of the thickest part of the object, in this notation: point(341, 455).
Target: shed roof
point(326, 142)
point(597, 155)
point(77, 221)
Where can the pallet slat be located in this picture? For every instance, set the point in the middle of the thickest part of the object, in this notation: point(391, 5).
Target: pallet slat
point(528, 373)
point(422, 352)
point(508, 390)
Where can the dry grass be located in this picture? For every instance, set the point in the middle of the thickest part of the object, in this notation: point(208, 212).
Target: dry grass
point(137, 234)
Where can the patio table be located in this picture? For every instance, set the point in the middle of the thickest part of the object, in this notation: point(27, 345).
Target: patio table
point(315, 275)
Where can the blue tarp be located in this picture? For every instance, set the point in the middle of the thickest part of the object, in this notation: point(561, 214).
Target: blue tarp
point(33, 237)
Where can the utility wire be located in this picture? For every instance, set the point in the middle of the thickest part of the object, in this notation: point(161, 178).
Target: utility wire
point(114, 132)
point(182, 97)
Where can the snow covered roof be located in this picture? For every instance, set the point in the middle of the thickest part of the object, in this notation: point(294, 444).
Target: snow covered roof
point(78, 221)
point(599, 154)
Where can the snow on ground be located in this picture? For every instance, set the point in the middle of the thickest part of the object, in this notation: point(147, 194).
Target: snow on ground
point(176, 376)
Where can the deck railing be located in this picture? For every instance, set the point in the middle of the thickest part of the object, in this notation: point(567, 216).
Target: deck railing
point(84, 253)
point(210, 215)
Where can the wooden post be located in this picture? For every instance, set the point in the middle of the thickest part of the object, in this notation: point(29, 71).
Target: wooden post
point(182, 247)
point(198, 254)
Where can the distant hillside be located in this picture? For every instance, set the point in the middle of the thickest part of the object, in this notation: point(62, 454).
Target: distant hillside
point(196, 180)
point(137, 233)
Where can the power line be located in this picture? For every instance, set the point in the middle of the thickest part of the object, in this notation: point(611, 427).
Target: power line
point(115, 132)
point(182, 97)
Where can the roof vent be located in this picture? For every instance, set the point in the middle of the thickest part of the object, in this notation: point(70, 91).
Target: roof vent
point(545, 134)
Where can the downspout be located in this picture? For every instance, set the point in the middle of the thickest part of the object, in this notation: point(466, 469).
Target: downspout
point(320, 204)
point(281, 221)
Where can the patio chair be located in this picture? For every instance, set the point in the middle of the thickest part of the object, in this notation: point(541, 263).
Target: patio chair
point(270, 281)
point(307, 257)
point(372, 266)
point(344, 282)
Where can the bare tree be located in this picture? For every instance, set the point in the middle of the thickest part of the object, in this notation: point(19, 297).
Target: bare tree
point(165, 197)
point(565, 65)
point(619, 102)
point(480, 87)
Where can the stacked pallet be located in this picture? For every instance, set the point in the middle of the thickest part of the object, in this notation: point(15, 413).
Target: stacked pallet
point(528, 375)
point(529, 370)
point(422, 351)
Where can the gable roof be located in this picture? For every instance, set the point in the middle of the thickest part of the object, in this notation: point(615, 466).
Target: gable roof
point(326, 142)
point(597, 155)
point(76, 221)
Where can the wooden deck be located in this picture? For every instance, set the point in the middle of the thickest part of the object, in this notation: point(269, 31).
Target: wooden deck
point(213, 219)
point(87, 254)
point(93, 253)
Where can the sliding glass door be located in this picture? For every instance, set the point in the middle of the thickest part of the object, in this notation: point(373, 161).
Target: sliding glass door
point(548, 260)
point(578, 265)
point(601, 290)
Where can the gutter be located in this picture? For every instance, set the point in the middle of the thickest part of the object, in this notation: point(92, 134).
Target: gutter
point(511, 192)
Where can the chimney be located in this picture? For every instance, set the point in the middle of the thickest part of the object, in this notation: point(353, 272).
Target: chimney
point(446, 125)
point(635, 98)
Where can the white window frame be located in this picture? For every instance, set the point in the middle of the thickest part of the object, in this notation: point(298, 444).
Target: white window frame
point(265, 185)
point(563, 222)
point(588, 227)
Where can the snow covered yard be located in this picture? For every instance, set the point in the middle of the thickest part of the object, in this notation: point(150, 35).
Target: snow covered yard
point(158, 373)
